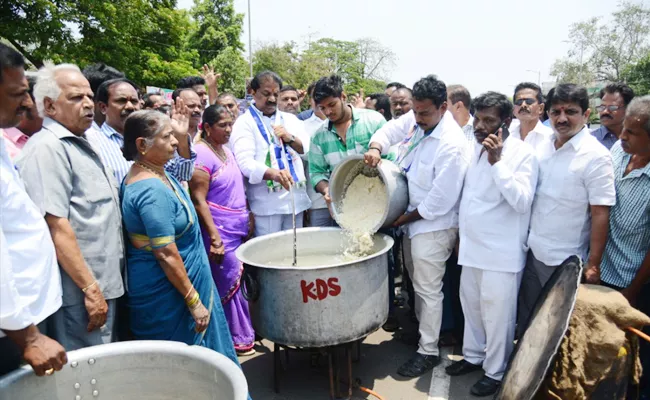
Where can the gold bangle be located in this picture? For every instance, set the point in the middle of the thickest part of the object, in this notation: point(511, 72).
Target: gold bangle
point(194, 300)
point(88, 287)
point(188, 293)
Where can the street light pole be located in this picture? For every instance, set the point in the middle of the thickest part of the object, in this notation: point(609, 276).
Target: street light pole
point(250, 41)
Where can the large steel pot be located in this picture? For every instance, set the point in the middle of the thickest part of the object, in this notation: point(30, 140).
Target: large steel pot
point(315, 306)
point(391, 175)
point(137, 370)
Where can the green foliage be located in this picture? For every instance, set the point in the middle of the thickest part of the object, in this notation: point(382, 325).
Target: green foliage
point(232, 66)
point(361, 64)
point(218, 27)
point(638, 76)
point(151, 41)
point(603, 50)
point(155, 44)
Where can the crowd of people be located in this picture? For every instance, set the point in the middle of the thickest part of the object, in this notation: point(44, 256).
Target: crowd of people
point(121, 213)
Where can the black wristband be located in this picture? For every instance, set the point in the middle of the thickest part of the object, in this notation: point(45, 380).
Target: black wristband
point(374, 148)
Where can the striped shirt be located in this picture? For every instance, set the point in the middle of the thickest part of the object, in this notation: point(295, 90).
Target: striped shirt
point(628, 240)
point(327, 149)
point(468, 130)
point(108, 143)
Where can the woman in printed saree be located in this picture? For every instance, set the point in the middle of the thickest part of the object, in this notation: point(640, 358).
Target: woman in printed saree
point(171, 295)
point(217, 190)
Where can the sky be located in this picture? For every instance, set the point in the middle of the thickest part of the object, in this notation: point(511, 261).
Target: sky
point(483, 45)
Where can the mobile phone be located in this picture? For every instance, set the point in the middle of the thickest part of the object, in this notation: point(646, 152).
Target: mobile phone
point(504, 130)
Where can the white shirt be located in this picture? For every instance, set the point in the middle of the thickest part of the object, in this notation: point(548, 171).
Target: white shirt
point(30, 282)
point(495, 208)
point(435, 169)
point(537, 138)
point(571, 178)
point(312, 124)
point(251, 149)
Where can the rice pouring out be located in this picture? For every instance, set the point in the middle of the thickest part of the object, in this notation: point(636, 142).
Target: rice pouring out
point(361, 211)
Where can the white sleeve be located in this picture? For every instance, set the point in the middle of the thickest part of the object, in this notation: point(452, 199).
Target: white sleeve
point(243, 145)
point(13, 315)
point(518, 186)
point(600, 181)
point(393, 132)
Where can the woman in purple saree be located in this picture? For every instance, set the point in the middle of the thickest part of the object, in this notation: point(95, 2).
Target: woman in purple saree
point(217, 191)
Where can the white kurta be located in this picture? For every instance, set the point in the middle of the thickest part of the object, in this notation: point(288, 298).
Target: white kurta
point(250, 151)
point(495, 208)
point(494, 217)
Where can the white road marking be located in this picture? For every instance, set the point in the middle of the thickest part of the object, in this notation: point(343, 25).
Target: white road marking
point(440, 381)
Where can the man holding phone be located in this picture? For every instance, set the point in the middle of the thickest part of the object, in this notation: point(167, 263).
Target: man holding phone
point(493, 223)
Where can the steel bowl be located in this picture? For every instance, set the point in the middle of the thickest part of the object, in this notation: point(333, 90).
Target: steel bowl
point(137, 370)
point(391, 175)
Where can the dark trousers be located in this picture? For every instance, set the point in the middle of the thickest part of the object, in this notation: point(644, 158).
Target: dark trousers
point(453, 319)
point(10, 356)
point(392, 254)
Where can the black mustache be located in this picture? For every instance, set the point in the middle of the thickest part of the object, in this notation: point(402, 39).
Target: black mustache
point(606, 117)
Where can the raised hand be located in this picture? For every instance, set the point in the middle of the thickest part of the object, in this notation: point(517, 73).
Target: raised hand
point(180, 118)
point(210, 77)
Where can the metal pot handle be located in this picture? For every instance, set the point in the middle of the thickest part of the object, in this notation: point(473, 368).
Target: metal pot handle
point(250, 287)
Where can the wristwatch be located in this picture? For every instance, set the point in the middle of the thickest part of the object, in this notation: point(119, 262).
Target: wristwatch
point(293, 139)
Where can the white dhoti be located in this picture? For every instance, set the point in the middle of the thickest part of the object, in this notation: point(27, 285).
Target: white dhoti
point(430, 252)
point(489, 300)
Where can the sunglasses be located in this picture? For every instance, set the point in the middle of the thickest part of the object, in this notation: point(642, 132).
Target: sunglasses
point(528, 101)
point(610, 108)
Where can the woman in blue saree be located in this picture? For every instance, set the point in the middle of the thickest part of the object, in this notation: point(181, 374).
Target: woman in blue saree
point(171, 294)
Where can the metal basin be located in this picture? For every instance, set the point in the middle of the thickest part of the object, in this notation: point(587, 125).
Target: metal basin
point(315, 306)
point(137, 370)
point(391, 175)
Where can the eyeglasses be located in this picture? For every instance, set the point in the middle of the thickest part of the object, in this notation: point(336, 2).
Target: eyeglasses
point(610, 108)
point(528, 101)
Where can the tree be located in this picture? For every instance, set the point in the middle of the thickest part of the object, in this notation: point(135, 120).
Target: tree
point(361, 64)
point(281, 59)
point(603, 50)
point(37, 28)
point(151, 41)
point(232, 66)
point(638, 76)
point(217, 28)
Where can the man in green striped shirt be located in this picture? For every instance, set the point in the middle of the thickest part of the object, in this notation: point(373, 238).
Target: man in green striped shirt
point(347, 132)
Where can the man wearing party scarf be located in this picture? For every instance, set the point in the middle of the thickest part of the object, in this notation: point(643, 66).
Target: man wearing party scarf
point(267, 144)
